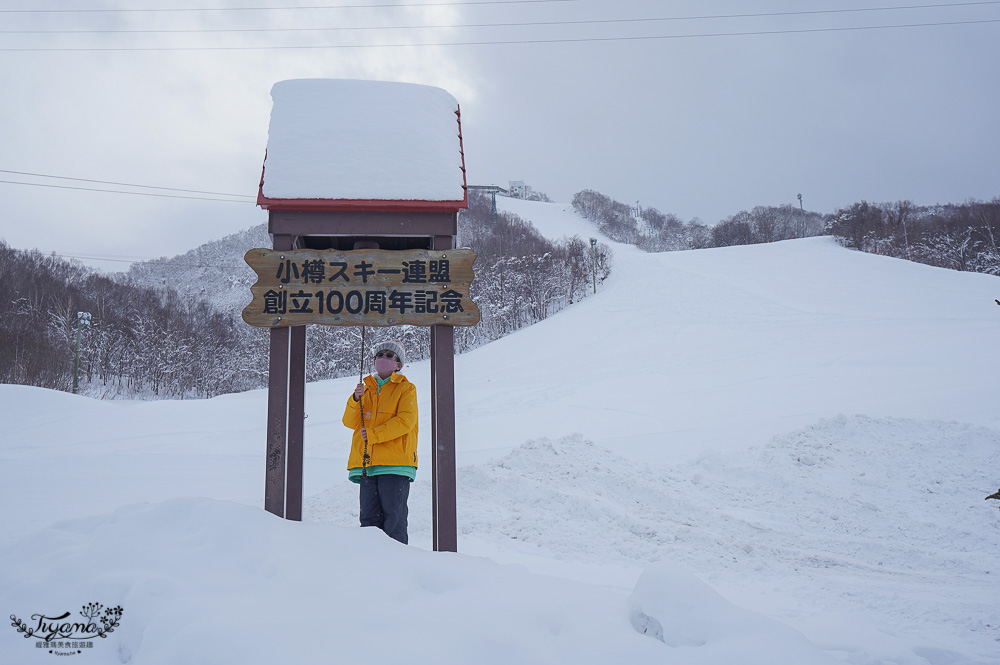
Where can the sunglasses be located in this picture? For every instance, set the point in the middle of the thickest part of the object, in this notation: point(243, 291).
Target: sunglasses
point(386, 354)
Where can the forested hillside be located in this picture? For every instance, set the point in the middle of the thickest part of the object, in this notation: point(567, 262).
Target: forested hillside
point(172, 327)
point(654, 231)
point(961, 237)
point(141, 341)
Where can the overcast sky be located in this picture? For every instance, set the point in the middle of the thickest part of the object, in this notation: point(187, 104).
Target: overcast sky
point(701, 115)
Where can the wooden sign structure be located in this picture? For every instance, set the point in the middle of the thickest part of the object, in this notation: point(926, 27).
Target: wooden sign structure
point(362, 287)
point(372, 175)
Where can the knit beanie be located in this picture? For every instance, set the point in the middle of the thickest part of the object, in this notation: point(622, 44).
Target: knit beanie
point(394, 346)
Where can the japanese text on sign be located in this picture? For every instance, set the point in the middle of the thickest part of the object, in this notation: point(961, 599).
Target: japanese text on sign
point(362, 287)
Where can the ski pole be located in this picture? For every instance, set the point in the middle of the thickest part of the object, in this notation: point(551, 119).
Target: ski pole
point(361, 368)
point(361, 403)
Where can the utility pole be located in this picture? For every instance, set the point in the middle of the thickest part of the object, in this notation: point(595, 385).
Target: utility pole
point(906, 238)
point(82, 321)
point(593, 260)
point(503, 247)
point(802, 217)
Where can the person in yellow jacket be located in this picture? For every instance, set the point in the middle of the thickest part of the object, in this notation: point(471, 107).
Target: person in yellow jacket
point(382, 411)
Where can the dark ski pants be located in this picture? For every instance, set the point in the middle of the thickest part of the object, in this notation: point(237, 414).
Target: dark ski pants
point(383, 504)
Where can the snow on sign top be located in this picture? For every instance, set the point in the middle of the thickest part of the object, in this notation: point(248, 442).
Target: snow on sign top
point(344, 144)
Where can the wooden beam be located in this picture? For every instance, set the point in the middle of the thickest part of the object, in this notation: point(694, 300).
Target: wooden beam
point(327, 223)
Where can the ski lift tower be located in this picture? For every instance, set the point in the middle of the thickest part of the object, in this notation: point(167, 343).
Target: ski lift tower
point(355, 165)
point(492, 190)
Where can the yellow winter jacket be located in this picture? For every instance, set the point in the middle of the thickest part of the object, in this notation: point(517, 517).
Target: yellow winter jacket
point(390, 417)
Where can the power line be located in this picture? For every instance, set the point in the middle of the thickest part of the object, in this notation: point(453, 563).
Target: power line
point(257, 9)
point(152, 262)
point(85, 257)
point(118, 191)
point(147, 261)
point(123, 184)
point(498, 42)
point(516, 24)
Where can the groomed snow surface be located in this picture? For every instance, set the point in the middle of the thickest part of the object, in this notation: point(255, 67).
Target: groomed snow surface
point(773, 454)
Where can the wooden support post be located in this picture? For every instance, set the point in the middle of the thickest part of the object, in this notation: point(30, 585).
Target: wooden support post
point(277, 410)
point(444, 503)
point(443, 494)
point(277, 422)
point(296, 422)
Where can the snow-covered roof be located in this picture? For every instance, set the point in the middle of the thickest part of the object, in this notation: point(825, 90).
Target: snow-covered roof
point(363, 145)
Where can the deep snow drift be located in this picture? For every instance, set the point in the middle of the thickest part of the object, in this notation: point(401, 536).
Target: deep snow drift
point(348, 139)
point(808, 430)
point(215, 582)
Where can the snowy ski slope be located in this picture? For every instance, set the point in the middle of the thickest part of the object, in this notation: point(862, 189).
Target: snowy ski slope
point(801, 430)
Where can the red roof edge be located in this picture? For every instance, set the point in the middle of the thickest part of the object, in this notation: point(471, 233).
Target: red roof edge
point(370, 205)
point(461, 150)
point(362, 205)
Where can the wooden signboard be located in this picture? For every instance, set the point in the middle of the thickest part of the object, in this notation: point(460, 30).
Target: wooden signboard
point(370, 287)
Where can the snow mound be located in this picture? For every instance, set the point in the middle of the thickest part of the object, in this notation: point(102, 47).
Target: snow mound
point(573, 497)
point(201, 580)
point(681, 611)
point(884, 512)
